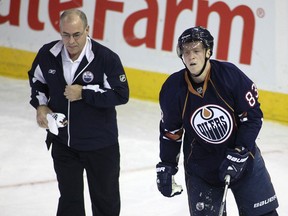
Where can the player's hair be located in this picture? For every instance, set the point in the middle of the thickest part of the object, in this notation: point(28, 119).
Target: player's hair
point(78, 12)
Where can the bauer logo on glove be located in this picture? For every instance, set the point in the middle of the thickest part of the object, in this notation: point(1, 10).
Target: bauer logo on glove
point(55, 121)
point(234, 164)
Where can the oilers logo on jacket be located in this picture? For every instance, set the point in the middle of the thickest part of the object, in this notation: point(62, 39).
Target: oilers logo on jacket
point(93, 118)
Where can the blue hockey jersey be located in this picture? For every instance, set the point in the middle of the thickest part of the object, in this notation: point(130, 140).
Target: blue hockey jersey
point(221, 113)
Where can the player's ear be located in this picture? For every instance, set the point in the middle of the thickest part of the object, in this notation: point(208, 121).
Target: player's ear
point(208, 53)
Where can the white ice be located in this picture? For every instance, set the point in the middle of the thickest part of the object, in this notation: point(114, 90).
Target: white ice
point(28, 185)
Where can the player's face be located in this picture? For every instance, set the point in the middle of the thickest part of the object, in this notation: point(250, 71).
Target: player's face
point(74, 35)
point(194, 56)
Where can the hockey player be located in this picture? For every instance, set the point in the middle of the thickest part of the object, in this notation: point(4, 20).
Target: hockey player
point(212, 108)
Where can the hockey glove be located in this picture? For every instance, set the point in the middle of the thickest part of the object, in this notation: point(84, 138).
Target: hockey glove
point(165, 180)
point(234, 164)
point(55, 121)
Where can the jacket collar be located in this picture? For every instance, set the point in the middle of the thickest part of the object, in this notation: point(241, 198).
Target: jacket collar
point(56, 49)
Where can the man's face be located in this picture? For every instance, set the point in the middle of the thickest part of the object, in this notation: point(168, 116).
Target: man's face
point(74, 35)
point(194, 55)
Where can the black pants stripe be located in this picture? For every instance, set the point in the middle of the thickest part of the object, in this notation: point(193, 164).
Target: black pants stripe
point(102, 168)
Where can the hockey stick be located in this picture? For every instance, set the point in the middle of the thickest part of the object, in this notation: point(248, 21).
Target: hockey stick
point(227, 182)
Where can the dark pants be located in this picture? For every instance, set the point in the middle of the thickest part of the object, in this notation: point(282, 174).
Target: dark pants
point(102, 168)
point(254, 193)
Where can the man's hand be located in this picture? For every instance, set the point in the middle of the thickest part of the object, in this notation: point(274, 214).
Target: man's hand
point(234, 163)
point(165, 180)
point(42, 112)
point(73, 92)
point(55, 121)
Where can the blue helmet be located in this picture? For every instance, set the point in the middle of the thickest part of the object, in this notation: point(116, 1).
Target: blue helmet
point(195, 34)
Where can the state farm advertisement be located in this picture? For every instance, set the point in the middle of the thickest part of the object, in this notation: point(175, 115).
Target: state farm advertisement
point(144, 32)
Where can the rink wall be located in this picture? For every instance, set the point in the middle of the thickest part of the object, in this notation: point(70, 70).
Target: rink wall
point(252, 35)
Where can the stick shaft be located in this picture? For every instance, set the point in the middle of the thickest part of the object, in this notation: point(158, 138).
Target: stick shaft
point(227, 182)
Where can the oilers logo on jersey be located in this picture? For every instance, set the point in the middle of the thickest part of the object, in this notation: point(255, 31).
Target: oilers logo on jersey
point(212, 123)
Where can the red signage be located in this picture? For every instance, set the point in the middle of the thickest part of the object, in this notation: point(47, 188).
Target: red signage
point(150, 14)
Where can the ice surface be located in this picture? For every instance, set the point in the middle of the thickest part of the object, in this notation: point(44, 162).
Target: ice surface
point(28, 185)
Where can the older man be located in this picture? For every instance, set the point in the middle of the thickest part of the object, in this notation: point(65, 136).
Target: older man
point(75, 85)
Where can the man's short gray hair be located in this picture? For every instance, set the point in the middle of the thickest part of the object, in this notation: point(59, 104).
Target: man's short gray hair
point(78, 12)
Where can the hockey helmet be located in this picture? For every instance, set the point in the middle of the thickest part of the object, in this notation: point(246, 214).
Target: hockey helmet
point(195, 34)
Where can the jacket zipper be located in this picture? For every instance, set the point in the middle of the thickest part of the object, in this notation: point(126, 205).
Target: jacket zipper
point(68, 126)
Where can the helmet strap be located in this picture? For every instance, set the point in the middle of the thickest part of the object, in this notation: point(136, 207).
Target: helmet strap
point(202, 70)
